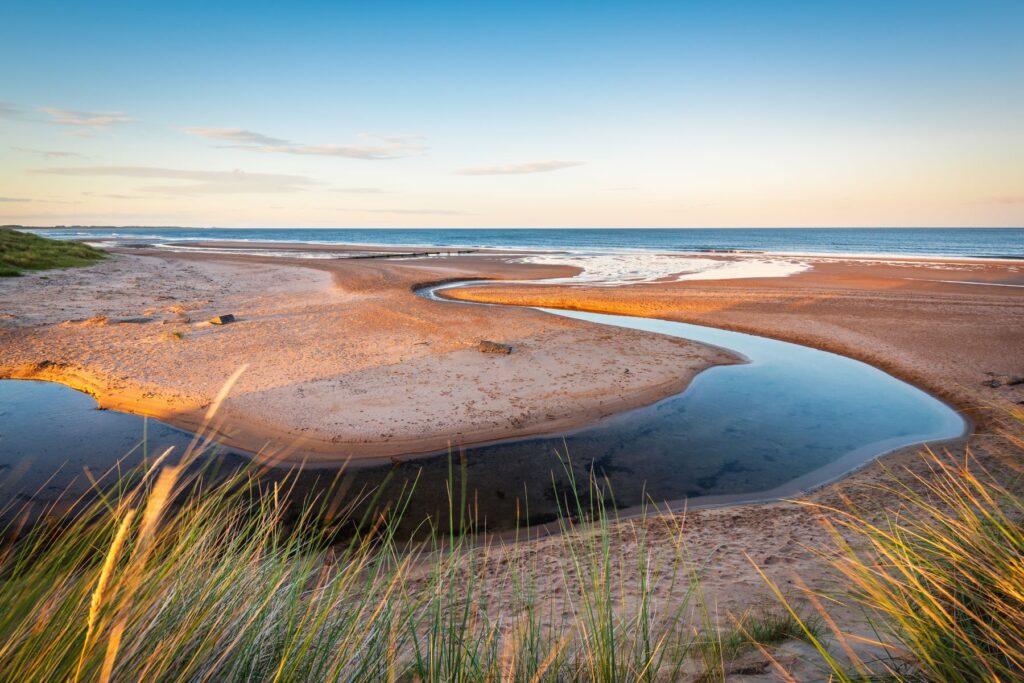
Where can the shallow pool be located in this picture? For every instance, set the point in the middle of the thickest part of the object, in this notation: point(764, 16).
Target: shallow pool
point(790, 419)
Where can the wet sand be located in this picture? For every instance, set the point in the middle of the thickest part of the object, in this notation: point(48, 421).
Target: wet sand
point(344, 360)
point(950, 327)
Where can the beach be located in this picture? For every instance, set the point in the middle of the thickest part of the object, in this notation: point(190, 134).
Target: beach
point(344, 361)
point(950, 326)
point(346, 364)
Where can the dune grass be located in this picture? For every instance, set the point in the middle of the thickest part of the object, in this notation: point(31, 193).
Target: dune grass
point(166, 579)
point(941, 574)
point(21, 251)
point(944, 574)
point(174, 574)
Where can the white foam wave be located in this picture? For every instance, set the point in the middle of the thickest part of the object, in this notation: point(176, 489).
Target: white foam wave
point(632, 268)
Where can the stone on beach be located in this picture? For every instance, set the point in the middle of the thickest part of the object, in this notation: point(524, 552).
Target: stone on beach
point(222, 319)
point(493, 347)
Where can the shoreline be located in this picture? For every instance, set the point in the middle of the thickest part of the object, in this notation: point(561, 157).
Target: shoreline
point(250, 433)
point(583, 295)
point(583, 251)
point(693, 302)
point(511, 248)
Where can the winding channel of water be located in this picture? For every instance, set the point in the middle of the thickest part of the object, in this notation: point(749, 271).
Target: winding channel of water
point(790, 419)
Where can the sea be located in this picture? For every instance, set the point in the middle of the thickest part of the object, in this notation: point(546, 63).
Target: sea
point(995, 243)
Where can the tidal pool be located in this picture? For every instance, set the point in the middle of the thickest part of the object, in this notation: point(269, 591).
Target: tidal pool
point(789, 419)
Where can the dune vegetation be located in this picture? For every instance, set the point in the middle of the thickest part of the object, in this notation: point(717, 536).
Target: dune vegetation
point(21, 251)
point(177, 572)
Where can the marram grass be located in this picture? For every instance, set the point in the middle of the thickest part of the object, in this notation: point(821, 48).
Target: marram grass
point(21, 251)
point(943, 572)
point(169, 577)
point(940, 574)
point(175, 575)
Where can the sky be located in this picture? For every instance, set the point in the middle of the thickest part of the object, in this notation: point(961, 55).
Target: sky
point(532, 114)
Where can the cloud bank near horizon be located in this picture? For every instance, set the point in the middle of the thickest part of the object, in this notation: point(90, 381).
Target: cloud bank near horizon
point(198, 182)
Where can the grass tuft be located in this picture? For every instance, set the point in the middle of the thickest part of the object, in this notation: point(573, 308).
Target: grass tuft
point(939, 577)
point(765, 627)
point(943, 572)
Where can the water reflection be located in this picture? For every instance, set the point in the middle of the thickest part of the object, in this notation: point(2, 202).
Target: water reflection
point(790, 419)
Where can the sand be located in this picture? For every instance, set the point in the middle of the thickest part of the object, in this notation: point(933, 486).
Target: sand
point(344, 361)
point(947, 326)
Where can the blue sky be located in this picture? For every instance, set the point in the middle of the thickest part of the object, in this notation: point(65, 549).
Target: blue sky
point(531, 114)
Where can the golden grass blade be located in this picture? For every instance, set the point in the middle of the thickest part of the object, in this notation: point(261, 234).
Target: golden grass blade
point(99, 593)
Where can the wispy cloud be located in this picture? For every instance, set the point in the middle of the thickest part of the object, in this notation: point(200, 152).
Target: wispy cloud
point(516, 169)
point(359, 190)
point(196, 182)
point(50, 154)
point(79, 123)
point(1010, 199)
point(37, 201)
point(390, 150)
point(12, 112)
point(84, 119)
point(237, 136)
point(77, 217)
point(417, 212)
point(379, 147)
point(107, 195)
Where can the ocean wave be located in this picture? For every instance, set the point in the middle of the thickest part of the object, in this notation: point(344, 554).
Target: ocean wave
point(612, 270)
